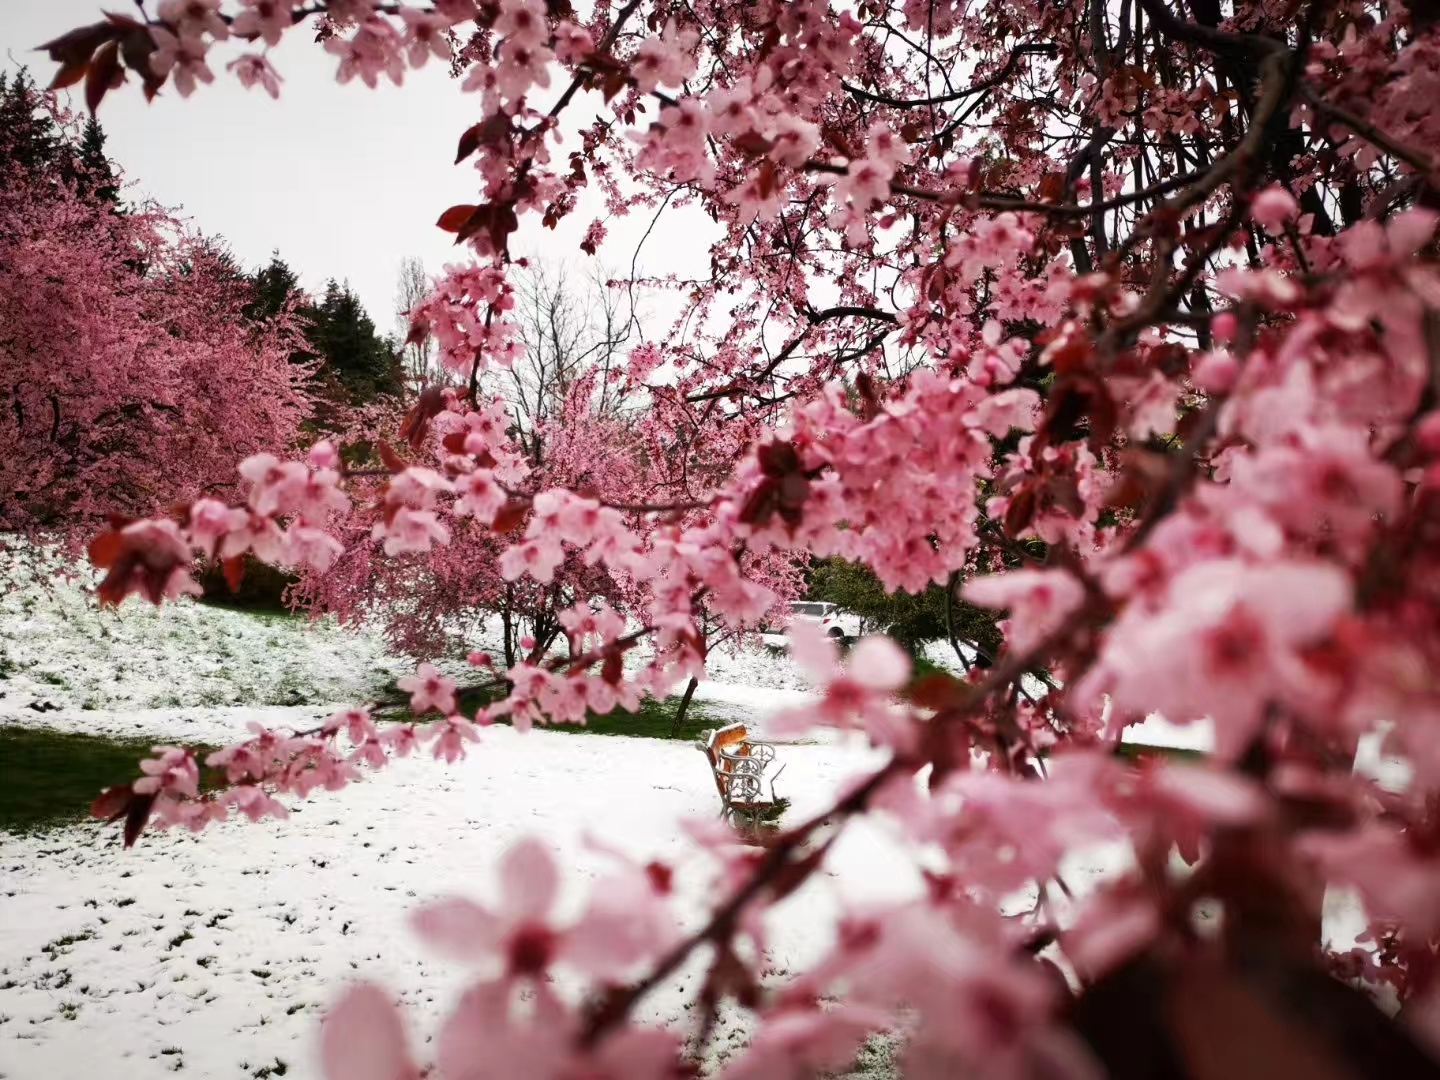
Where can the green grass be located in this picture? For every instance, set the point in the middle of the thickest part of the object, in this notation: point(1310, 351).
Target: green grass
point(655, 718)
point(50, 777)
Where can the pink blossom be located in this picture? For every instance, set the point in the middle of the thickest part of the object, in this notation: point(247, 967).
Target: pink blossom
point(522, 22)
point(479, 496)
point(795, 139)
point(194, 17)
point(309, 546)
point(275, 485)
point(266, 19)
point(1039, 602)
point(323, 455)
point(538, 558)
point(251, 69)
point(522, 65)
point(1272, 208)
point(1223, 643)
point(410, 530)
point(374, 49)
point(667, 60)
point(172, 772)
point(425, 35)
point(454, 733)
point(877, 668)
point(428, 690)
point(356, 723)
point(520, 930)
point(210, 521)
point(573, 44)
point(184, 55)
point(418, 487)
point(363, 1038)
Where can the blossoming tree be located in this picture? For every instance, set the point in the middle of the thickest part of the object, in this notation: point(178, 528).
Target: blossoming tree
point(1126, 312)
point(130, 380)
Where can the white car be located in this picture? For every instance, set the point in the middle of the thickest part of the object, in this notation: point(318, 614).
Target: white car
point(831, 618)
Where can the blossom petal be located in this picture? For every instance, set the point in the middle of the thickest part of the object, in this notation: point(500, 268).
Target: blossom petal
point(529, 879)
point(364, 1039)
point(877, 663)
point(458, 928)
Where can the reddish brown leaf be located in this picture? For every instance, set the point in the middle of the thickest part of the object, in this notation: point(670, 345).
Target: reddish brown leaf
point(80, 44)
point(111, 803)
point(392, 461)
point(767, 178)
point(234, 569)
point(938, 691)
point(454, 442)
point(511, 515)
point(69, 74)
point(136, 815)
point(105, 548)
point(469, 143)
point(105, 74)
point(613, 670)
point(454, 219)
point(417, 421)
point(1021, 510)
point(752, 144)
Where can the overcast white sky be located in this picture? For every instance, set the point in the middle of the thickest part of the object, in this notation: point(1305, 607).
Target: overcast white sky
point(344, 181)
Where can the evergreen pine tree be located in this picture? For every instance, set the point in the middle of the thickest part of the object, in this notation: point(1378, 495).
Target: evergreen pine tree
point(365, 363)
point(95, 173)
point(30, 140)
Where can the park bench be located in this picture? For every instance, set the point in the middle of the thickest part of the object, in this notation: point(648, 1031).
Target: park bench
point(739, 765)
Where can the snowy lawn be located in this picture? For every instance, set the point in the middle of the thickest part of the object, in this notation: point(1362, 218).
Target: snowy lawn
point(212, 956)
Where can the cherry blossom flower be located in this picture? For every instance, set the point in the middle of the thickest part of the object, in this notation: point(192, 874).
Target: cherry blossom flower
point(172, 771)
point(266, 19)
point(877, 668)
point(363, 1038)
point(194, 18)
point(1039, 601)
point(454, 733)
point(425, 35)
point(183, 54)
point(1272, 208)
point(520, 931)
point(428, 690)
point(252, 69)
point(411, 530)
point(667, 60)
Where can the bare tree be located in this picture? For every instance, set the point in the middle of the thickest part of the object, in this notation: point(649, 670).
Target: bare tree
point(420, 358)
point(571, 326)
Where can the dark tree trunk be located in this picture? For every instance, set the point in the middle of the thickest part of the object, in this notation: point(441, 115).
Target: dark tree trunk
point(684, 707)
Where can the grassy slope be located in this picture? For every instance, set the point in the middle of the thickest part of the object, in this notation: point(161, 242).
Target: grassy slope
point(50, 777)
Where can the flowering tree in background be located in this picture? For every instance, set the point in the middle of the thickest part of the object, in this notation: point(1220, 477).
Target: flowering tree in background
point(130, 381)
point(1122, 311)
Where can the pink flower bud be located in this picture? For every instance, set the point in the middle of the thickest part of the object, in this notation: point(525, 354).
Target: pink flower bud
point(1427, 434)
point(1272, 208)
point(1214, 372)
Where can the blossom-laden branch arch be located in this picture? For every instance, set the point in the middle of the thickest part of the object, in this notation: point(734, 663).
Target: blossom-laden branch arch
point(1126, 317)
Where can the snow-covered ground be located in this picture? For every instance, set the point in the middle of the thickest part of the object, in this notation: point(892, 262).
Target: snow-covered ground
point(213, 955)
